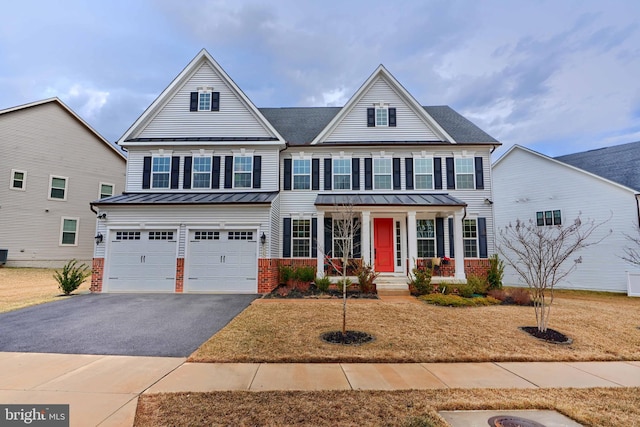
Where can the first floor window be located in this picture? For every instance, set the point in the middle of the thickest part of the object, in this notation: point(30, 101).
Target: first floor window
point(58, 188)
point(343, 231)
point(201, 172)
point(464, 174)
point(426, 238)
point(242, 170)
point(423, 173)
point(69, 232)
point(548, 218)
point(161, 168)
point(18, 180)
point(301, 174)
point(342, 174)
point(382, 171)
point(301, 238)
point(106, 190)
point(470, 238)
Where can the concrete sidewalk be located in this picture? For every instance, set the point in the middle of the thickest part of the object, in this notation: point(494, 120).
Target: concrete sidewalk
point(104, 390)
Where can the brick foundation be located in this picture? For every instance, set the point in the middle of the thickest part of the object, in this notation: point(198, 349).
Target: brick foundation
point(97, 271)
point(269, 270)
point(180, 275)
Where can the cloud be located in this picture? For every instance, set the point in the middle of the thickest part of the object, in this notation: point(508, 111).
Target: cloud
point(87, 102)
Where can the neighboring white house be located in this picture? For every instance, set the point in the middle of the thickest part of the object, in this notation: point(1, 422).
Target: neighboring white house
point(53, 164)
point(220, 193)
point(600, 184)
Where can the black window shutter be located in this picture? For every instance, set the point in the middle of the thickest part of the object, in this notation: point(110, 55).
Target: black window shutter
point(452, 252)
point(175, 171)
point(193, 105)
point(408, 165)
point(187, 173)
point(396, 173)
point(146, 172)
point(368, 174)
point(355, 174)
point(327, 174)
point(482, 237)
point(314, 237)
point(215, 172)
point(286, 237)
point(440, 237)
point(479, 174)
point(437, 173)
point(357, 238)
point(215, 101)
point(451, 174)
point(228, 171)
point(392, 117)
point(257, 171)
point(287, 174)
point(371, 117)
point(315, 174)
point(328, 237)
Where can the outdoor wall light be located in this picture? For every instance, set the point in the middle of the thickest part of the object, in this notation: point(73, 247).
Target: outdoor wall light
point(103, 215)
point(488, 201)
point(99, 237)
point(263, 238)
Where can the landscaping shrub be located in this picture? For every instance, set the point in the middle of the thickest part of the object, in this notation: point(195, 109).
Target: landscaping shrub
point(420, 280)
point(72, 276)
point(305, 273)
point(495, 274)
point(478, 284)
point(444, 288)
point(346, 282)
point(458, 301)
point(366, 278)
point(323, 283)
point(520, 296)
point(498, 294)
point(285, 274)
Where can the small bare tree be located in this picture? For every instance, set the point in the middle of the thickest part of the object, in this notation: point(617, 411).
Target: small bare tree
point(632, 250)
point(541, 254)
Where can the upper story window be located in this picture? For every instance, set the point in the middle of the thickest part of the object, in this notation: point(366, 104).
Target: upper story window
point(470, 238)
point(18, 180)
point(426, 232)
point(160, 172)
point(342, 174)
point(548, 218)
point(201, 170)
point(204, 100)
point(423, 173)
point(382, 117)
point(464, 173)
point(69, 232)
point(242, 171)
point(58, 188)
point(301, 174)
point(382, 174)
point(106, 190)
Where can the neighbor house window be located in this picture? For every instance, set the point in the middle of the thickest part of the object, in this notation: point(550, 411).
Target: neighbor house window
point(69, 232)
point(426, 238)
point(301, 174)
point(470, 238)
point(301, 238)
point(464, 174)
point(106, 190)
point(204, 100)
point(548, 218)
point(18, 180)
point(242, 171)
point(160, 171)
point(58, 188)
point(382, 171)
point(201, 172)
point(342, 174)
point(423, 174)
point(382, 117)
point(342, 238)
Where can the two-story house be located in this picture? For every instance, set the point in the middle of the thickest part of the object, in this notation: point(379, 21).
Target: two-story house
point(220, 193)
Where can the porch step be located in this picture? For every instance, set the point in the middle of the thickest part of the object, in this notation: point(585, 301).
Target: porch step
point(392, 286)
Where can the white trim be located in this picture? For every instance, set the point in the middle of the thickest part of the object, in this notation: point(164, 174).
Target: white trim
point(12, 179)
point(75, 240)
point(66, 187)
point(113, 189)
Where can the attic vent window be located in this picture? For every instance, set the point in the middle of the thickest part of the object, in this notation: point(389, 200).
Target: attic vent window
point(204, 100)
point(381, 116)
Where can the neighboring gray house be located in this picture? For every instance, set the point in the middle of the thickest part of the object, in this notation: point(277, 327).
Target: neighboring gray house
point(54, 165)
point(601, 184)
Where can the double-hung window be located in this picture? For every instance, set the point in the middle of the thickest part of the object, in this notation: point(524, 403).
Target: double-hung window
point(301, 238)
point(160, 172)
point(464, 173)
point(69, 232)
point(58, 188)
point(204, 100)
point(382, 116)
point(382, 174)
point(423, 173)
point(201, 170)
point(548, 218)
point(106, 190)
point(426, 231)
point(18, 180)
point(301, 174)
point(342, 174)
point(470, 238)
point(242, 171)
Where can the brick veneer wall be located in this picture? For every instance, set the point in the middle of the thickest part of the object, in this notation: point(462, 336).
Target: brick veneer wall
point(97, 270)
point(478, 267)
point(180, 275)
point(269, 270)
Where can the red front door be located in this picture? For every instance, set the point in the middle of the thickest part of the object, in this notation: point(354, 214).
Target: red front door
point(383, 244)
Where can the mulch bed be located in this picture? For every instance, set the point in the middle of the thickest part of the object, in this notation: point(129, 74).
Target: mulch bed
point(311, 292)
point(349, 338)
point(550, 335)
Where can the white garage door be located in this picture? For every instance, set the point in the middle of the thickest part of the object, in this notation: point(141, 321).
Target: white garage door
point(141, 261)
point(222, 261)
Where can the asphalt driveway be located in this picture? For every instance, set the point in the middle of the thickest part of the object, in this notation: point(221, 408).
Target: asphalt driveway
point(120, 324)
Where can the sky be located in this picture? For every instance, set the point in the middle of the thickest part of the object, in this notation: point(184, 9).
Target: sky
point(557, 76)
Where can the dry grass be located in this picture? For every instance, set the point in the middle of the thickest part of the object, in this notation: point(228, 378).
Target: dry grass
point(22, 287)
point(602, 407)
point(603, 327)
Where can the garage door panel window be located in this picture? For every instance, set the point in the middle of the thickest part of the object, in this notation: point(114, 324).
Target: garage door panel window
point(69, 232)
point(161, 235)
point(240, 235)
point(206, 235)
point(127, 235)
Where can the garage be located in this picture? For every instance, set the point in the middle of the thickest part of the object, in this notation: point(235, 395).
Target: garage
point(141, 261)
point(221, 261)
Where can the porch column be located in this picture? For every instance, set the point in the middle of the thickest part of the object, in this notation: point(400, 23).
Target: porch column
point(412, 236)
point(459, 245)
point(320, 245)
point(365, 232)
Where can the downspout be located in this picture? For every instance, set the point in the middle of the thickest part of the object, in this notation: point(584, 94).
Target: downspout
point(638, 208)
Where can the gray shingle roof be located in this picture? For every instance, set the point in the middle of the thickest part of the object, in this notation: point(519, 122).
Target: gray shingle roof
point(619, 164)
point(456, 125)
point(188, 198)
point(388, 200)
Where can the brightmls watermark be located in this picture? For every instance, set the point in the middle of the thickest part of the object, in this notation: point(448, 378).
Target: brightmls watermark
point(34, 415)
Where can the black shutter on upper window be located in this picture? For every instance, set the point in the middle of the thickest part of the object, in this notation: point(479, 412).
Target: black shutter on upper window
point(186, 181)
point(328, 237)
point(392, 117)
point(440, 237)
point(215, 172)
point(146, 172)
point(452, 252)
point(451, 174)
point(482, 237)
point(327, 174)
point(286, 237)
point(314, 237)
point(357, 238)
point(215, 101)
point(355, 174)
point(437, 173)
point(175, 171)
point(396, 174)
point(479, 174)
point(257, 171)
point(228, 171)
point(371, 117)
point(193, 105)
point(408, 166)
point(287, 174)
point(368, 174)
point(315, 174)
